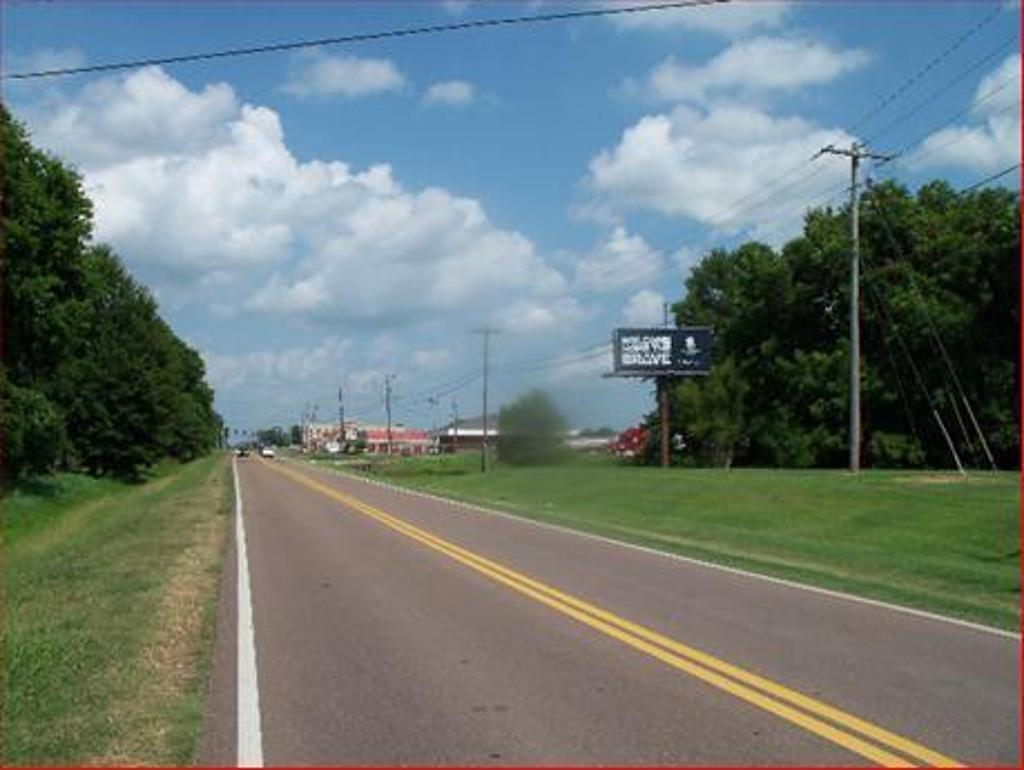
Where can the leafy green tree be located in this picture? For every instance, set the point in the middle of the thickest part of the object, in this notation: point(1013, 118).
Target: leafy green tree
point(93, 377)
point(940, 271)
point(710, 413)
point(32, 429)
point(531, 431)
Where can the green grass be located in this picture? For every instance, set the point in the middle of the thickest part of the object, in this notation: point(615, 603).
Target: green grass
point(928, 540)
point(110, 602)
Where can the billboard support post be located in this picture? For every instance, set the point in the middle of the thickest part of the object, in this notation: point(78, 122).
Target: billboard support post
point(663, 395)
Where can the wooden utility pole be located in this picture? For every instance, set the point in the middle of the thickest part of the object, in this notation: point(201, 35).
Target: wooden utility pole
point(455, 425)
point(341, 418)
point(855, 154)
point(663, 389)
point(486, 332)
point(387, 405)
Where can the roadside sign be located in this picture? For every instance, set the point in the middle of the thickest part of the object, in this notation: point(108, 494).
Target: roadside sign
point(660, 352)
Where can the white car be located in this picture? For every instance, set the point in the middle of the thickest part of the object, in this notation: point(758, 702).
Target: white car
point(267, 451)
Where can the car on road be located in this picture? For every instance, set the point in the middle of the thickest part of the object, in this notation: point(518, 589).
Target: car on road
point(267, 451)
point(242, 451)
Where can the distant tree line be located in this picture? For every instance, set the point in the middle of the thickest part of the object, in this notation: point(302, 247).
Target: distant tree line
point(91, 378)
point(939, 312)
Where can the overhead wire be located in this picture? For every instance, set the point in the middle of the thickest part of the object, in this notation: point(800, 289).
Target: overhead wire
point(934, 333)
point(768, 189)
point(363, 37)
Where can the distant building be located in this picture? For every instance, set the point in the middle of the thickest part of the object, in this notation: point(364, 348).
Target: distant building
point(316, 437)
point(588, 443)
point(403, 441)
point(465, 434)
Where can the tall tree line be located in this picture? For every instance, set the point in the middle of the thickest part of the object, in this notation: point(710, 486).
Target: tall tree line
point(940, 321)
point(92, 378)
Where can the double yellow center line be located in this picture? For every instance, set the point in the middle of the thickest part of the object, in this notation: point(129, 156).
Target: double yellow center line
point(876, 744)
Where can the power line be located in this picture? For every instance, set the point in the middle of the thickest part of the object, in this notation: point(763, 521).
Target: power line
point(768, 190)
point(928, 67)
point(363, 37)
point(1010, 41)
point(994, 177)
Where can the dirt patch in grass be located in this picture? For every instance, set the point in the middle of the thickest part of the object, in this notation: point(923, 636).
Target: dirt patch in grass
point(933, 478)
point(111, 594)
point(168, 668)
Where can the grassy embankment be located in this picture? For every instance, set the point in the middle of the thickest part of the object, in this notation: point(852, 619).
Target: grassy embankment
point(929, 540)
point(110, 598)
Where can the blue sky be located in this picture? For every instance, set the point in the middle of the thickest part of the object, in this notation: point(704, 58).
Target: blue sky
point(320, 218)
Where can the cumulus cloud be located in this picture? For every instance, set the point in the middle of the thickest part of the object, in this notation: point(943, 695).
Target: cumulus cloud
point(195, 188)
point(291, 365)
point(990, 141)
point(645, 308)
point(728, 20)
point(455, 93)
point(695, 163)
point(318, 74)
point(619, 260)
point(748, 66)
point(433, 358)
point(44, 59)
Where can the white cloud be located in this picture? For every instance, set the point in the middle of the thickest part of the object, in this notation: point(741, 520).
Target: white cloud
point(319, 74)
point(586, 368)
point(43, 59)
point(696, 163)
point(220, 209)
point(455, 93)
point(430, 359)
point(456, 7)
point(619, 260)
point(645, 308)
point(530, 316)
point(991, 140)
point(292, 365)
point(748, 66)
point(145, 115)
point(729, 20)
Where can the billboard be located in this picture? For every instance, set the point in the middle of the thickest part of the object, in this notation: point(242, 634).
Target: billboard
point(661, 352)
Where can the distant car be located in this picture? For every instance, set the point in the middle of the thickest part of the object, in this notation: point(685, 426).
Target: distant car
point(242, 451)
point(267, 451)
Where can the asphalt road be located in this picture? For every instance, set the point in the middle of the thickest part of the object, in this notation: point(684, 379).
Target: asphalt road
point(392, 629)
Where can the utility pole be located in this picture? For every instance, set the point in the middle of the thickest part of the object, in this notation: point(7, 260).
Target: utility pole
point(486, 331)
point(341, 417)
point(433, 422)
point(455, 425)
point(856, 153)
point(387, 405)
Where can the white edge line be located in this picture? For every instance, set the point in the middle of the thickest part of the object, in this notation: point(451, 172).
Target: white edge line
point(249, 740)
point(690, 559)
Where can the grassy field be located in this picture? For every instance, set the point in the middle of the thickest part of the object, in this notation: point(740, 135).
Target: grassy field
point(111, 593)
point(929, 540)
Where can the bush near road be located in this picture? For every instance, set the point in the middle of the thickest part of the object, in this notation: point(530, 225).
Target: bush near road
point(110, 602)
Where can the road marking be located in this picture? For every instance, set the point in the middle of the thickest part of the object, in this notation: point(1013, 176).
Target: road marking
point(249, 745)
point(840, 728)
point(680, 557)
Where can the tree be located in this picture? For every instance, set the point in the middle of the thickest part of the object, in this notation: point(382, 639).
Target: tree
point(296, 434)
point(710, 413)
point(92, 376)
point(940, 270)
point(531, 431)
